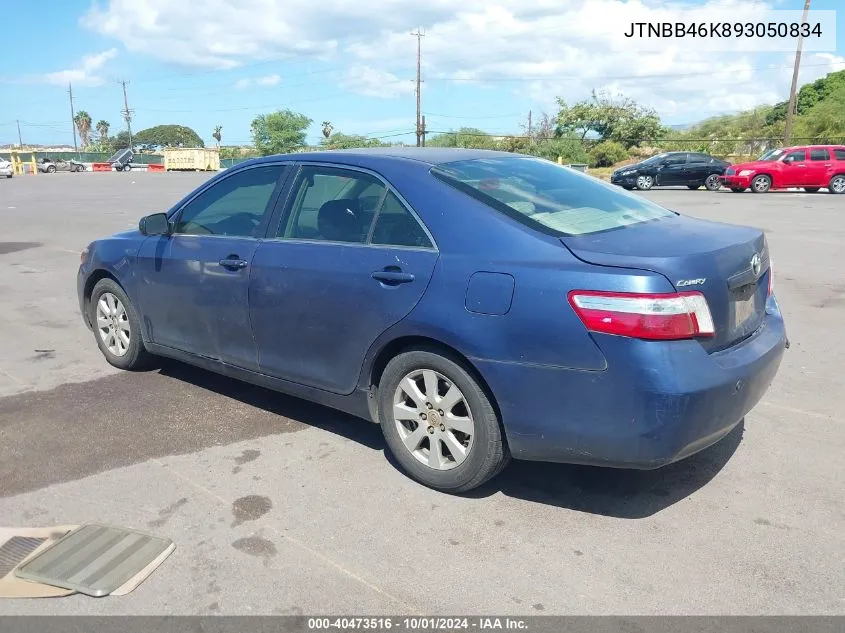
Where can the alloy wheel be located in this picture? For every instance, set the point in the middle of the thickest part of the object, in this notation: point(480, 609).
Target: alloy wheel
point(433, 419)
point(113, 324)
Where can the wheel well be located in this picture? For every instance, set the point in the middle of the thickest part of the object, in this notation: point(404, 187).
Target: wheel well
point(408, 343)
point(95, 277)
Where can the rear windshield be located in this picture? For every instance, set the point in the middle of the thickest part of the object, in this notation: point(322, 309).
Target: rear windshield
point(554, 199)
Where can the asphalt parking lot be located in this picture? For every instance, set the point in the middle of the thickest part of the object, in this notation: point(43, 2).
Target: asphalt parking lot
point(282, 507)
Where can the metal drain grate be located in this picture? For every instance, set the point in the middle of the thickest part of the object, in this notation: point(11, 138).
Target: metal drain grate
point(94, 559)
point(13, 551)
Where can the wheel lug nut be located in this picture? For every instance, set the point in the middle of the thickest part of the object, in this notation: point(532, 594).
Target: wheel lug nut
point(423, 416)
point(442, 427)
point(428, 405)
point(431, 430)
point(440, 411)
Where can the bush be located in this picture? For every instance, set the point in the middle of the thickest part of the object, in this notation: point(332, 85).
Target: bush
point(607, 153)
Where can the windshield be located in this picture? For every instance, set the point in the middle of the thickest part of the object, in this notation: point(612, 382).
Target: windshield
point(654, 159)
point(554, 199)
point(771, 155)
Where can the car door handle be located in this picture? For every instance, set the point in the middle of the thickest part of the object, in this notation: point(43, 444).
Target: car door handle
point(392, 277)
point(234, 263)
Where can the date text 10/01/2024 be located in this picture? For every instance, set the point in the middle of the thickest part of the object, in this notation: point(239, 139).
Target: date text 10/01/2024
point(723, 29)
point(418, 624)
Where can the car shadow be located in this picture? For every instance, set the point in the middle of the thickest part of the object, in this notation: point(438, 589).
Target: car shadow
point(296, 409)
point(620, 493)
point(626, 494)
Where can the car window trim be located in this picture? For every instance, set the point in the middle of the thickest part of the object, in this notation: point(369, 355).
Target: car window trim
point(281, 183)
point(289, 202)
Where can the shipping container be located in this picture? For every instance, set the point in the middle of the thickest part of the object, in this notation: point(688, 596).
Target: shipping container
point(191, 159)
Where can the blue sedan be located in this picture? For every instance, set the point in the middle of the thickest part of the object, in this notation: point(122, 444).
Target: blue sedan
point(477, 305)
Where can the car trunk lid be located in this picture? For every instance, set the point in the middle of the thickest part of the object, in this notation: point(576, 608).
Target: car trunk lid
point(728, 264)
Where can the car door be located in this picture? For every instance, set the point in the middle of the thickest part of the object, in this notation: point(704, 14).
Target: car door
point(194, 284)
point(697, 168)
point(819, 167)
point(671, 172)
point(349, 260)
point(793, 169)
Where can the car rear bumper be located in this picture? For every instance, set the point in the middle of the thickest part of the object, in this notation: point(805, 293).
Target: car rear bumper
point(657, 402)
point(736, 182)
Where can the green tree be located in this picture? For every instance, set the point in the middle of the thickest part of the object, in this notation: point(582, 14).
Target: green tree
point(569, 148)
point(119, 141)
point(338, 140)
point(825, 121)
point(607, 153)
point(168, 136)
point(279, 132)
point(217, 135)
point(466, 137)
point(103, 130)
point(610, 118)
point(82, 120)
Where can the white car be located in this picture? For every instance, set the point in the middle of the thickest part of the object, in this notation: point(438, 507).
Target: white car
point(5, 168)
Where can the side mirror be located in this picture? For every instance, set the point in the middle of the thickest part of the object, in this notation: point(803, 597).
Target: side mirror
point(789, 159)
point(155, 224)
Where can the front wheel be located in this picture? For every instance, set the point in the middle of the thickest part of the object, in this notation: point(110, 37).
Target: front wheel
point(761, 184)
point(438, 422)
point(117, 327)
point(127, 168)
point(713, 182)
point(837, 184)
point(644, 183)
point(51, 169)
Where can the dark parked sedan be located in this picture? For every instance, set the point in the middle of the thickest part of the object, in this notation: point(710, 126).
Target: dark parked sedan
point(477, 305)
point(672, 169)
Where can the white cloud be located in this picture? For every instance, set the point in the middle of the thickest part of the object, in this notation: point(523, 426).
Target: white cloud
point(266, 81)
point(84, 74)
point(372, 82)
point(542, 48)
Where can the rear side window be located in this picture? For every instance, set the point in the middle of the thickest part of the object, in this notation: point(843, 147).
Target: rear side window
point(395, 226)
point(819, 154)
point(839, 154)
point(548, 197)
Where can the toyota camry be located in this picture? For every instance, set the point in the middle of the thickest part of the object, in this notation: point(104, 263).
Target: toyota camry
point(477, 305)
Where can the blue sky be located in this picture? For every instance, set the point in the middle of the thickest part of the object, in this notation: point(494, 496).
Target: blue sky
point(221, 62)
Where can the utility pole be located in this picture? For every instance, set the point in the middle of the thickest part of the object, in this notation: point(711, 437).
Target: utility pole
point(423, 130)
point(72, 117)
point(127, 113)
point(529, 123)
point(20, 140)
point(419, 37)
point(790, 109)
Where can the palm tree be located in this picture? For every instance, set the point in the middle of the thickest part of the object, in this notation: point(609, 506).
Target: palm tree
point(83, 126)
point(327, 129)
point(103, 130)
point(217, 135)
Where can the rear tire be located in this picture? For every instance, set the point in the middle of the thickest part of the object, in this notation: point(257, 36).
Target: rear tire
point(837, 184)
point(127, 168)
point(761, 184)
point(51, 169)
point(713, 182)
point(428, 400)
point(117, 328)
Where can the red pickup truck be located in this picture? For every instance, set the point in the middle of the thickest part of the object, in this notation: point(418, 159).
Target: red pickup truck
point(811, 167)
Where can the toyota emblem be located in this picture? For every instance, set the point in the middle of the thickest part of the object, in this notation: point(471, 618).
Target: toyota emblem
point(756, 264)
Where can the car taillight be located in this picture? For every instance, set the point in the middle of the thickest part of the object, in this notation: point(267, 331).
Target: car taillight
point(669, 316)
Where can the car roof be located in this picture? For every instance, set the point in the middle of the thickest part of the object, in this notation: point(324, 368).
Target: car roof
point(426, 155)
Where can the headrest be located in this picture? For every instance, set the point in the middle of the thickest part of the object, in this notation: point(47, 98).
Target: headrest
point(340, 220)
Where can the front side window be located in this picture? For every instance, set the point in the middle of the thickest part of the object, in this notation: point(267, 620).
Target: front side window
point(798, 156)
point(548, 197)
point(676, 159)
point(235, 206)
